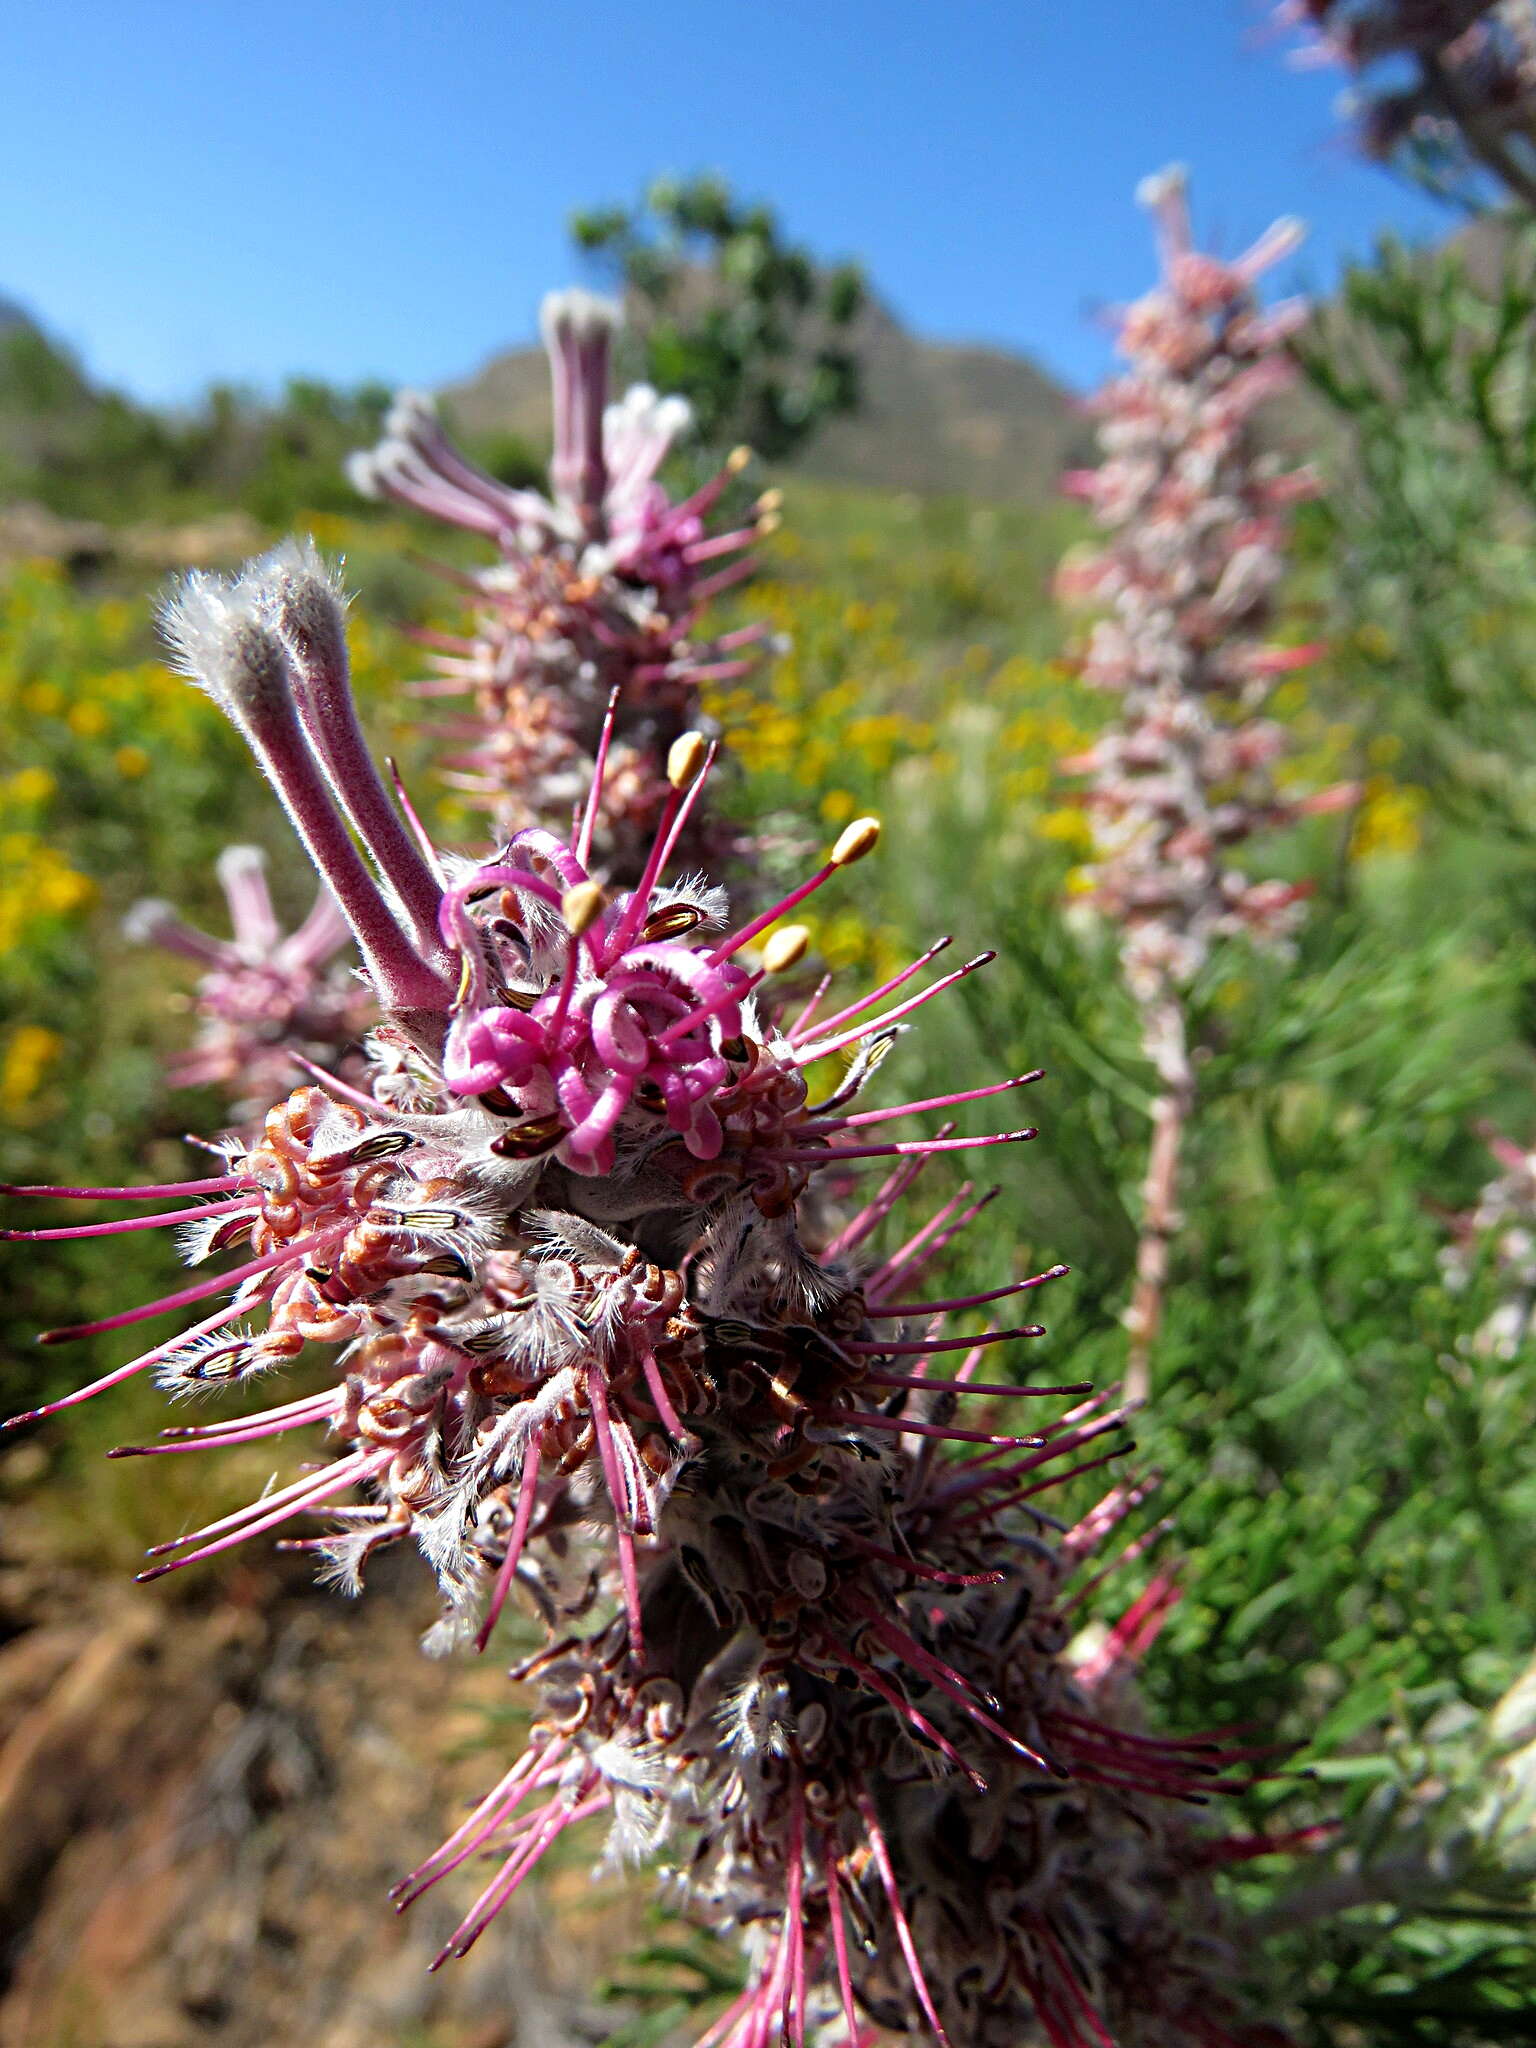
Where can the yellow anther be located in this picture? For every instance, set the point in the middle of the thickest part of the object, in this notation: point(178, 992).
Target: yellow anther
point(737, 460)
point(771, 501)
point(855, 841)
point(685, 758)
point(581, 906)
point(768, 522)
point(785, 947)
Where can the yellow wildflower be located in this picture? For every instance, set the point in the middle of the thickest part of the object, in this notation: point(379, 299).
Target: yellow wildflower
point(29, 1052)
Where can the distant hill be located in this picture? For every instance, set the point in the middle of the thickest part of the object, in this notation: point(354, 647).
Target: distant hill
point(937, 416)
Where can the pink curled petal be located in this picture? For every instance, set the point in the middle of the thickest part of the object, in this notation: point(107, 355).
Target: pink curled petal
point(574, 1096)
point(597, 1126)
point(472, 1060)
point(598, 1161)
point(535, 840)
point(649, 991)
point(617, 1035)
point(677, 963)
point(453, 914)
point(675, 1095)
point(704, 1137)
point(491, 1048)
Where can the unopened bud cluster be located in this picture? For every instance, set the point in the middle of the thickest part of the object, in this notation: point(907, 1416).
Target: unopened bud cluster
point(600, 586)
point(608, 1328)
point(1196, 515)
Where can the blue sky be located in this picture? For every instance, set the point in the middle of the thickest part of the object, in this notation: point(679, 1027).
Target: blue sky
point(348, 189)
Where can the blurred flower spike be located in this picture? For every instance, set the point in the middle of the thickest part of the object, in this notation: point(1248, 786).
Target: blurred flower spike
point(1196, 513)
point(263, 993)
point(1455, 104)
point(601, 584)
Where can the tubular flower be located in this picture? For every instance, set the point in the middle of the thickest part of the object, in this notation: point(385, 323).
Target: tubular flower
point(1468, 102)
point(600, 586)
point(263, 992)
point(593, 1338)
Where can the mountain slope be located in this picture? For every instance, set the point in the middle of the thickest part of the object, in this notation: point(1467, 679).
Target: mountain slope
point(937, 416)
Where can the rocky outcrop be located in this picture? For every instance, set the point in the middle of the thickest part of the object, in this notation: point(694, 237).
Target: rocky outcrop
point(202, 1807)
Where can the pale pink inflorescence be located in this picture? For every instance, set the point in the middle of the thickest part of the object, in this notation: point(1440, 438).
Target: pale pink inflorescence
point(601, 584)
point(608, 1328)
point(1501, 1228)
point(264, 993)
point(1196, 515)
point(1454, 77)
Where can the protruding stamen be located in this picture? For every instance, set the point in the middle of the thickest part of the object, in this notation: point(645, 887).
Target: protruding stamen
point(785, 948)
point(581, 906)
point(882, 1116)
point(912, 1148)
point(875, 995)
point(217, 1185)
point(875, 1349)
point(855, 841)
point(860, 835)
point(526, 1495)
point(908, 1946)
point(995, 1389)
point(685, 760)
point(123, 1372)
point(807, 1055)
point(122, 1223)
point(284, 1255)
point(599, 771)
point(903, 1425)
